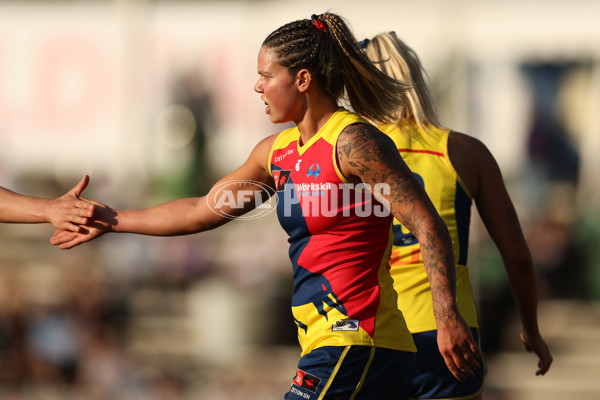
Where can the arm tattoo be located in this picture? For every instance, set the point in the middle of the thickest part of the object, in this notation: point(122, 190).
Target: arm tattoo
point(437, 266)
point(372, 157)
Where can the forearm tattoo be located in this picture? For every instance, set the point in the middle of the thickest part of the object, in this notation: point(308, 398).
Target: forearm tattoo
point(373, 158)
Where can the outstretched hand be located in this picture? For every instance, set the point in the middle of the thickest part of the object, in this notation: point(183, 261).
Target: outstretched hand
point(70, 211)
point(538, 346)
point(457, 346)
point(101, 223)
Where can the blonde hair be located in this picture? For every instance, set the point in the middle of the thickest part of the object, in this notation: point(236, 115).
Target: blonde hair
point(393, 57)
point(325, 45)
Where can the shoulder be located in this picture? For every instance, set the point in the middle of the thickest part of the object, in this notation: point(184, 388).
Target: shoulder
point(471, 159)
point(267, 142)
point(262, 149)
point(465, 148)
point(363, 150)
point(362, 135)
point(463, 142)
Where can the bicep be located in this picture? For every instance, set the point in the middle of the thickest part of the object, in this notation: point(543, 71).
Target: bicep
point(497, 210)
point(480, 172)
point(231, 197)
point(245, 188)
point(369, 156)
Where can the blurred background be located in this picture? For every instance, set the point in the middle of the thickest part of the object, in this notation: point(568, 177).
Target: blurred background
point(154, 100)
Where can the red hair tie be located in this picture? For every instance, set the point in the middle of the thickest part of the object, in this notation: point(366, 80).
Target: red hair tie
point(319, 23)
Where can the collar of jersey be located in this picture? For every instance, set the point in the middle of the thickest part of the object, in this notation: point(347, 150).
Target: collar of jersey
point(316, 136)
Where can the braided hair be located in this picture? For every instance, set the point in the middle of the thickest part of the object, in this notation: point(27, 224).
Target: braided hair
point(325, 46)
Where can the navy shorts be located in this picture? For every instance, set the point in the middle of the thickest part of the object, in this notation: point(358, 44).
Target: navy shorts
point(433, 380)
point(352, 373)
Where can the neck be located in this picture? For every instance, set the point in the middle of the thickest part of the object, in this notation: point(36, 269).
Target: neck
point(316, 115)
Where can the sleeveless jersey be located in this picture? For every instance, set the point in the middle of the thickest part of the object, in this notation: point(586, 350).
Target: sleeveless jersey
point(340, 240)
point(426, 154)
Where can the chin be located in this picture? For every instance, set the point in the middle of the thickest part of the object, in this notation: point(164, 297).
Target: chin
point(280, 119)
point(275, 120)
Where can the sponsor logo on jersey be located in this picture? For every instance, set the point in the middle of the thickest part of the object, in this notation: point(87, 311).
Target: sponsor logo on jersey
point(281, 177)
point(346, 325)
point(306, 381)
point(284, 155)
point(314, 171)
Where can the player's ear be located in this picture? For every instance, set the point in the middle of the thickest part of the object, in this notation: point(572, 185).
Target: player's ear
point(303, 80)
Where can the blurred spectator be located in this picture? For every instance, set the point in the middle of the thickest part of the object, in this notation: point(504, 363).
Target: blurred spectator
point(13, 327)
point(53, 345)
point(551, 147)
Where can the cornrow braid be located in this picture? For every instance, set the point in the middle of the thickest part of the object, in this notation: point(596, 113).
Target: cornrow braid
point(299, 45)
point(337, 62)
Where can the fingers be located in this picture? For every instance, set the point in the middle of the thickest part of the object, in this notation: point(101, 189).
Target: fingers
point(67, 239)
point(476, 351)
point(70, 244)
point(62, 236)
point(455, 369)
point(459, 367)
point(81, 186)
point(82, 204)
point(466, 360)
point(462, 363)
point(473, 357)
point(543, 367)
point(73, 221)
point(70, 209)
point(544, 363)
point(539, 347)
point(84, 209)
point(72, 227)
point(459, 349)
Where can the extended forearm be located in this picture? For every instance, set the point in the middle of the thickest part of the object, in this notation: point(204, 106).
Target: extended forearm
point(22, 209)
point(523, 282)
point(179, 217)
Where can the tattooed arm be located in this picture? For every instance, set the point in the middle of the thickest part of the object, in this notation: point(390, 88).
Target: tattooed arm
point(367, 155)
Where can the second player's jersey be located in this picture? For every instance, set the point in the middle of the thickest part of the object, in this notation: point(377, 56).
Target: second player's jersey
point(340, 239)
point(426, 154)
